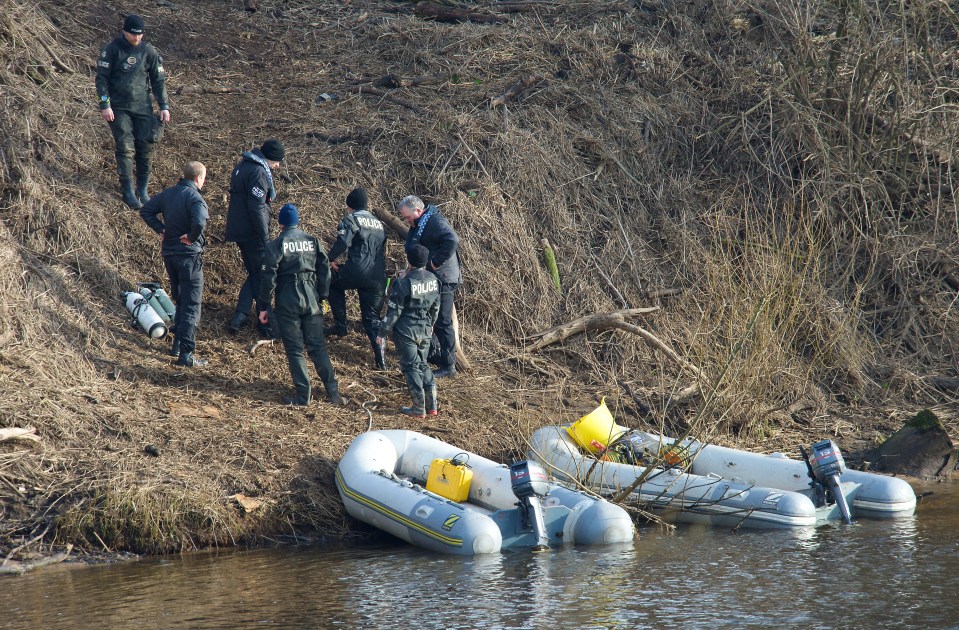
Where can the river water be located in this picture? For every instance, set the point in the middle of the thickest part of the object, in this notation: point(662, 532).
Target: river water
point(870, 574)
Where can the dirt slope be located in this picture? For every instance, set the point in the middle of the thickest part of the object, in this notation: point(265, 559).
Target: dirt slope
point(780, 185)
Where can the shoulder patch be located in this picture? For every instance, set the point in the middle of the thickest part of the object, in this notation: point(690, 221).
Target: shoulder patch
point(258, 192)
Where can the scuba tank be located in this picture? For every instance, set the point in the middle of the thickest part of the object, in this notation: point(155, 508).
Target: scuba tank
point(159, 300)
point(143, 315)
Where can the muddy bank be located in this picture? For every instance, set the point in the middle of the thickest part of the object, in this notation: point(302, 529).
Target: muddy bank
point(788, 208)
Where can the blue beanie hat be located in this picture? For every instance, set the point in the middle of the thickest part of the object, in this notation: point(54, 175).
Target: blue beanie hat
point(289, 215)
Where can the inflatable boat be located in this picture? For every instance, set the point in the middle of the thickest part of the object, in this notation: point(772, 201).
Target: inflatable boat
point(439, 497)
point(690, 481)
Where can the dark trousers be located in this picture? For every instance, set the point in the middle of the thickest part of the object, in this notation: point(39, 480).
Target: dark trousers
point(443, 328)
point(411, 352)
point(131, 132)
point(252, 254)
point(371, 302)
point(301, 332)
point(186, 290)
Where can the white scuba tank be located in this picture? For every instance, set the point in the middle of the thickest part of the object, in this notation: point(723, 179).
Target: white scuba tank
point(144, 317)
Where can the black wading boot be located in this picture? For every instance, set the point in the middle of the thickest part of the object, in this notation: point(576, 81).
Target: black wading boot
point(333, 392)
point(142, 183)
point(129, 197)
point(238, 321)
point(175, 349)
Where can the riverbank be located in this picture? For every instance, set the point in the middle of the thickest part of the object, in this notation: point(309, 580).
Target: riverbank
point(665, 152)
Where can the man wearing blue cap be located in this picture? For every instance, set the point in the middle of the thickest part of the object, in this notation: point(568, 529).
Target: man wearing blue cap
point(127, 71)
point(295, 264)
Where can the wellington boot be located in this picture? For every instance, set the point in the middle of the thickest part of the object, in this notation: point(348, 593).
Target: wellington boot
point(129, 197)
point(175, 349)
point(296, 401)
point(142, 193)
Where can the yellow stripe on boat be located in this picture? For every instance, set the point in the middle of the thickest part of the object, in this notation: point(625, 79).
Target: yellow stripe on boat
point(402, 519)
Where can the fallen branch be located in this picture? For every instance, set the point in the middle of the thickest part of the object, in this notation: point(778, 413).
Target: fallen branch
point(19, 568)
point(365, 90)
point(603, 321)
point(331, 138)
point(257, 344)
point(514, 90)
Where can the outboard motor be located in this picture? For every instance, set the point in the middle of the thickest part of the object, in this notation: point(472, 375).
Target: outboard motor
point(143, 315)
point(530, 485)
point(826, 465)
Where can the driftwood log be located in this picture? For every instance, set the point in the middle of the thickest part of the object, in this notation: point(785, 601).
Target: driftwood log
point(602, 321)
point(617, 321)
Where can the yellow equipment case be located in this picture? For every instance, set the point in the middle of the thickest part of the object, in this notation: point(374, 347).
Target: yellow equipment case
point(449, 480)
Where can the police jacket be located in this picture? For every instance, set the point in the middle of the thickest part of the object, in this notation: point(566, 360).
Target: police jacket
point(251, 191)
point(361, 235)
point(295, 263)
point(184, 212)
point(413, 305)
point(438, 237)
point(123, 72)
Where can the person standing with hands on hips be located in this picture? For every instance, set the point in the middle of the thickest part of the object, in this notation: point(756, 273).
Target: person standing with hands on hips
point(127, 70)
point(410, 313)
point(184, 220)
point(431, 229)
point(248, 224)
point(295, 264)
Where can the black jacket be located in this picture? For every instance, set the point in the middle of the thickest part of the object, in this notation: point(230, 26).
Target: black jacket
point(442, 241)
point(184, 212)
point(361, 235)
point(295, 263)
point(413, 306)
point(251, 191)
point(125, 75)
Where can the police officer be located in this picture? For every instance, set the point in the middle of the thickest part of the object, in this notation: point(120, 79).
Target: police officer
point(295, 264)
point(410, 313)
point(125, 67)
point(184, 220)
point(248, 223)
point(362, 237)
point(431, 229)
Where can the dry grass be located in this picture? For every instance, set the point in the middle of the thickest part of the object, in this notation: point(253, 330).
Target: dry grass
point(791, 174)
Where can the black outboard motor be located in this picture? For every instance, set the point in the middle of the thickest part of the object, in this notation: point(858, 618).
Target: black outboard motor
point(530, 485)
point(826, 465)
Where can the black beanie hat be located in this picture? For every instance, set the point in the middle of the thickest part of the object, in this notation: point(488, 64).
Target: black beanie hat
point(418, 256)
point(133, 24)
point(357, 199)
point(273, 150)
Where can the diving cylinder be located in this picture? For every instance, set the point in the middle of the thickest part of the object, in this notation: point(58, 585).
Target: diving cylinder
point(144, 317)
point(165, 302)
point(151, 297)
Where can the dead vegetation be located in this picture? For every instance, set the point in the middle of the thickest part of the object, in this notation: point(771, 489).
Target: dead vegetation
point(778, 182)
